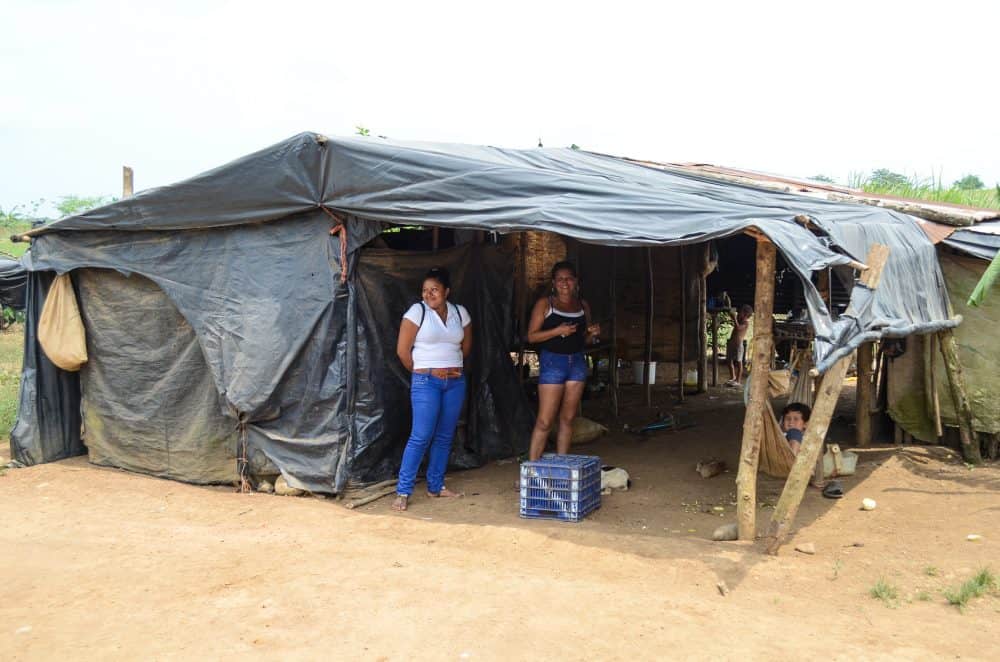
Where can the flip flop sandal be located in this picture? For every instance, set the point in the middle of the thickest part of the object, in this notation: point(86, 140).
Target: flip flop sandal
point(833, 490)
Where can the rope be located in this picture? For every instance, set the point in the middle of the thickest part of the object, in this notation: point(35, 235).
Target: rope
point(242, 463)
point(339, 229)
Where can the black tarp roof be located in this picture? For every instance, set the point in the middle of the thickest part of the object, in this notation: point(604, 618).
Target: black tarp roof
point(298, 354)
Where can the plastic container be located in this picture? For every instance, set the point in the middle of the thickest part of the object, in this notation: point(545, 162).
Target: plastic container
point(637, 370)
point(564, 487)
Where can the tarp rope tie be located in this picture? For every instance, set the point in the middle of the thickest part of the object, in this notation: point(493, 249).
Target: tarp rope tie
point(338, 229)
point(242, 462)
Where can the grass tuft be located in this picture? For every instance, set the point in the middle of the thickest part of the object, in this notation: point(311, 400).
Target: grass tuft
point(931, 571)
point(982, 583)
point(886, 592)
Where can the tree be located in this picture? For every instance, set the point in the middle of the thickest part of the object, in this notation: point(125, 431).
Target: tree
point(362, 131)
point(71, 205)
point(822, 178)
point(884, 177)
point(969, 183)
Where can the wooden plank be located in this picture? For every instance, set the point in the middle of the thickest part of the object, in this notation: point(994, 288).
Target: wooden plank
point(683, 324)
point(715, 349)
point(753, 422)
point(865, 395)
point(127, 182)
point(702, 322)
point(613, 358)
point(810, 452)
point(959, 396)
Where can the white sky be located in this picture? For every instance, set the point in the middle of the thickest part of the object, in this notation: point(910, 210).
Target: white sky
point(798, 88)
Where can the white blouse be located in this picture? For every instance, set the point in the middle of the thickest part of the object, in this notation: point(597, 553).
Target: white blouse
point(438, 344)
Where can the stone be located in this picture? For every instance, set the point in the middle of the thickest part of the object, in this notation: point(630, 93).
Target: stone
point(282, 488)
point(726, 532)
point(806, 548)
point(265, 487)
point(723, 588)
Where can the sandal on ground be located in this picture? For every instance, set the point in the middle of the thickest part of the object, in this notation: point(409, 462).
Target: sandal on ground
point(445, 492)
point(400, 502)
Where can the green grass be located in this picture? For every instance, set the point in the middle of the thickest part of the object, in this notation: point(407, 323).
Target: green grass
point(982, 583)
point(886, 592)
point(924, 596)
point(931, 190)
point(11, 350)
point(931, 571)
point(9, 247)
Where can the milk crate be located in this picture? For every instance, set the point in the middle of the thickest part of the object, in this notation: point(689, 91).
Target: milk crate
point(566, 487)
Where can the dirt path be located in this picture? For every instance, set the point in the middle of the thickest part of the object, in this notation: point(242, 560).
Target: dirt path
point(101, 564)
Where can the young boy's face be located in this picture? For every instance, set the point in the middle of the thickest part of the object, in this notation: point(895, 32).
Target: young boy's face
point(793, 421)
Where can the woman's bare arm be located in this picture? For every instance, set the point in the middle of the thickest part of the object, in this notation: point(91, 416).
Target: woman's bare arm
point(404, 345)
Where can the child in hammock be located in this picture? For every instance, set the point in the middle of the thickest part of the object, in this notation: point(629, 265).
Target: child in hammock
point(794, 418)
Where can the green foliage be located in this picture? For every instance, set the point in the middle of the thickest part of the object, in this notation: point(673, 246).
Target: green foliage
point(968, 183)
point(982, 583)
point(574, 146)
point(886, 178)
point(362, 131)
point(823, 178)
point(71, 205)
point(924, 596)
point(886, 592)
point(11, 351)
point(884, 182)
point(931, 571)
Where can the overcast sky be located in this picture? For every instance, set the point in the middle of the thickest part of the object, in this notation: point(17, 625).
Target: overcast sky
point(796, 88)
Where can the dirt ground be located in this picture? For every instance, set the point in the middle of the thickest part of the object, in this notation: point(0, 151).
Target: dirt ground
point(105, 564)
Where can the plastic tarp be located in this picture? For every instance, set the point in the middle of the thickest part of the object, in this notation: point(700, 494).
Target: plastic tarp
point(48, 411)
point(13, 283)
point(910, 401)
point(286, 342)
point(981, 240)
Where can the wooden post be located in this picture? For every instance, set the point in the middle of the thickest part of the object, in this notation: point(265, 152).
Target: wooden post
point(865, 395)
point(959, 396)
point(521, 300)
point(702, 319)
point(819, 423)
point(683, 325)
point(435, 238)
point(753, 422)
point(932, 390)
point(613, 354)
point(648, 353)
point(127, 178)
point(715, 349)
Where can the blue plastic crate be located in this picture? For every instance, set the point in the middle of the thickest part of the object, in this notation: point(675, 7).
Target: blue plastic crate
point(565, 487)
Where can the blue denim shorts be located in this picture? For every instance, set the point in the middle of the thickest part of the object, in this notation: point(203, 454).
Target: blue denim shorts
point(561, 368)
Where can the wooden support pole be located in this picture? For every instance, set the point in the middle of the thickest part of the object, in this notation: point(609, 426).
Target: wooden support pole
point(819, 424)
point(934, 401)
point(683, 325)
point(715, 349)
point(435, 238)
point(521, 301)
point(702, 322)
point(959, 396)
point(865, 395)
point(753, 422)
point(613, 354)
point(648, 353)
point(127, 179)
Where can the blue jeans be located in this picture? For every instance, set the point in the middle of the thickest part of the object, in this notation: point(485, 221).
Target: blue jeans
point(437, 404)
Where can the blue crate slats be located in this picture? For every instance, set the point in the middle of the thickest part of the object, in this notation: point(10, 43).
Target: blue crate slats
point(565, 487)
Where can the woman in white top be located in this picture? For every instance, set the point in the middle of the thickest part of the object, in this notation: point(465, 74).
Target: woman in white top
point(434, 338)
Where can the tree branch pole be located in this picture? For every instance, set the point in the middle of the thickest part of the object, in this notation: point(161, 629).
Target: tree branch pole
point(753, 422)
point(683, 325)
point(127, 179)
point(865, 395)
point(613, 354)
point(715, 349)
point(648, 353)
point(702, 319)
point(959, 396)
point(819, 424)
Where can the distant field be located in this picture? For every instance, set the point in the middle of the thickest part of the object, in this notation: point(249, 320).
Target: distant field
point(987, 198)
point(11, 349)
point(9, 247)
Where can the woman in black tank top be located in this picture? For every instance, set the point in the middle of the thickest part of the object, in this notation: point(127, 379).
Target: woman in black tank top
point(560, 327)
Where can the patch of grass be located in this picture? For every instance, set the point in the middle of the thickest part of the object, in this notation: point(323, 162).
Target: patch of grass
point(931, 571)
point(11, 352)
point(886, 592)
point(924, 596)
point(9, 247)
point(930, 189)
point(982, 583)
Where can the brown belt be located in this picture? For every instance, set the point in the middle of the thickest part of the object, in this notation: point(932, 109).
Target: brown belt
point(440, 373)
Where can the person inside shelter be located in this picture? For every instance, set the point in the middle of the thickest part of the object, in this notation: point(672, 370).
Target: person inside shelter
point(794, 418)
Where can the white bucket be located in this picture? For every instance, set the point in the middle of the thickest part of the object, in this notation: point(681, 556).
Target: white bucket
point(637, 370)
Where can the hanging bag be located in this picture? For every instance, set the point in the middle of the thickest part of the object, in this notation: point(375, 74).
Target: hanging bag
point(60, 328)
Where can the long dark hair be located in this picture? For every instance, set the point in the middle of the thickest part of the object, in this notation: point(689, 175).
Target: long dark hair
point(564, 265)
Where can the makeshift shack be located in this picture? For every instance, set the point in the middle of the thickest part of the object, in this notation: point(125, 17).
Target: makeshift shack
point(244, 320)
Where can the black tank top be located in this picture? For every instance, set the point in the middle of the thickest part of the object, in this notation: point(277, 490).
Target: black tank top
point(571, 344)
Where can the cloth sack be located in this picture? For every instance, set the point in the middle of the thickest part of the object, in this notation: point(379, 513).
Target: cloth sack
point(60, 329)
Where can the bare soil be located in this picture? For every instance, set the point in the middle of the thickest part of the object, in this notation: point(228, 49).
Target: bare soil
point(105, 564)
